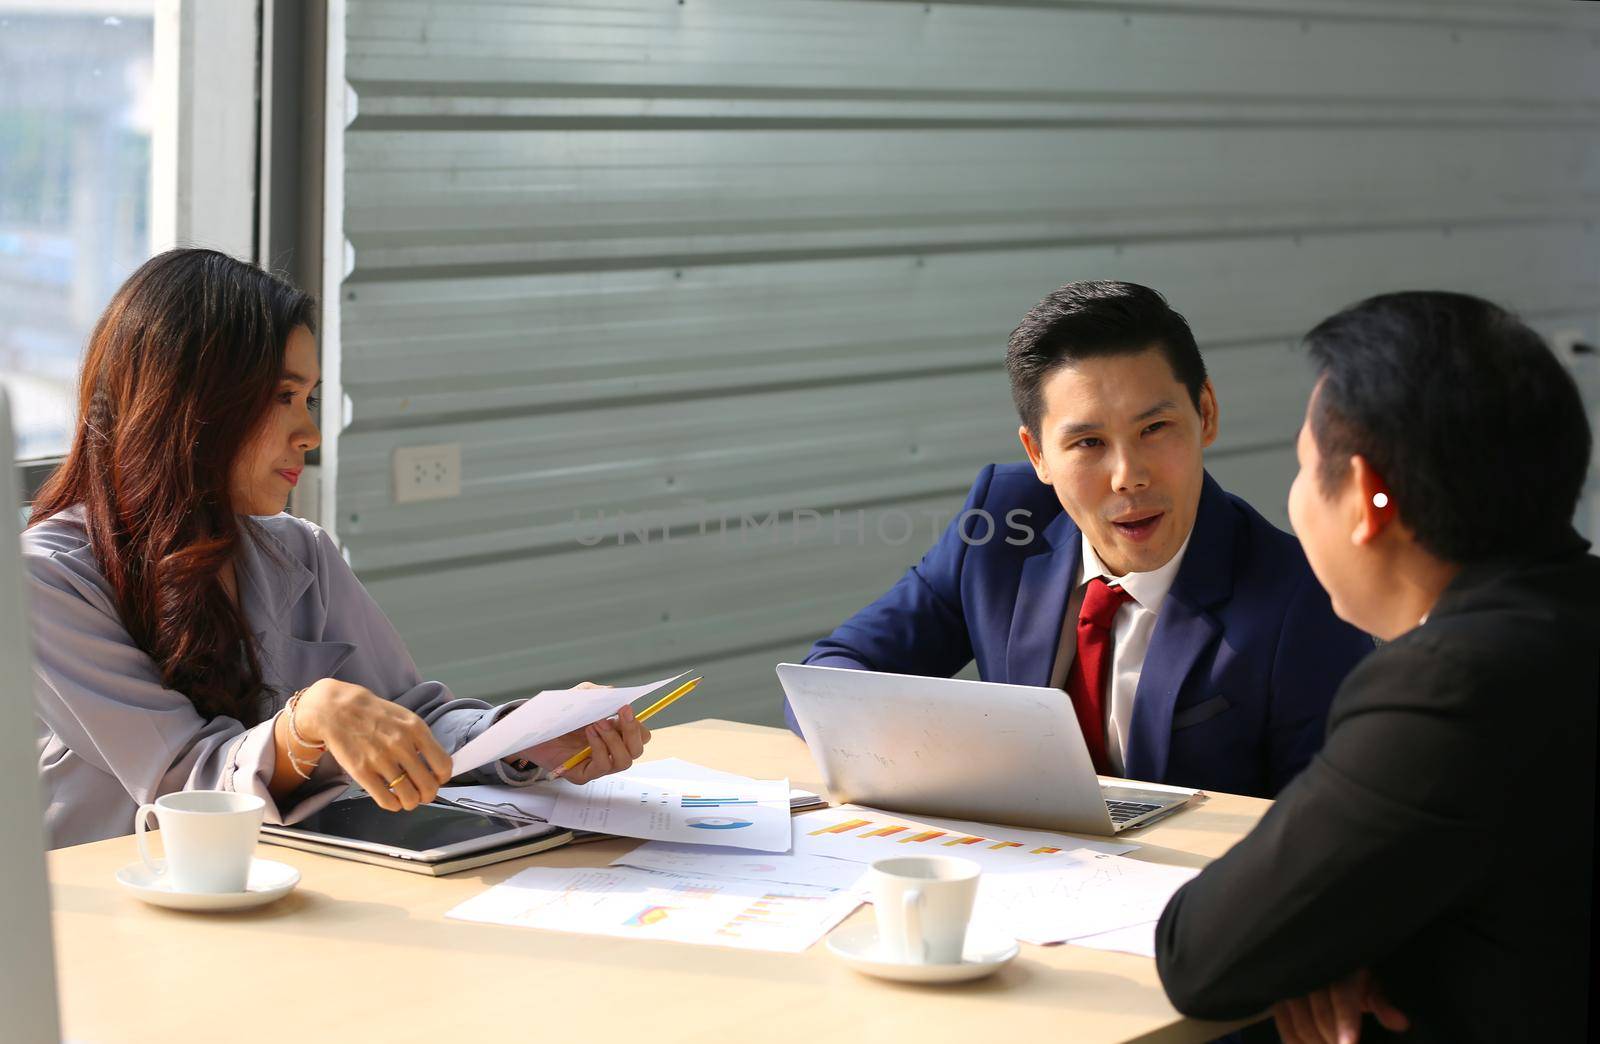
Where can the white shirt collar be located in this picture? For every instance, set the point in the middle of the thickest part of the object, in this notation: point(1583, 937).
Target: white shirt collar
point(1148, 589)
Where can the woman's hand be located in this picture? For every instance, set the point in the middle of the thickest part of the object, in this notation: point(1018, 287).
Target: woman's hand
point(376, 742)
point(614, 744)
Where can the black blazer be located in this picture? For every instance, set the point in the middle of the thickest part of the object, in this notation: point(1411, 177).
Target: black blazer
point(1443, 837)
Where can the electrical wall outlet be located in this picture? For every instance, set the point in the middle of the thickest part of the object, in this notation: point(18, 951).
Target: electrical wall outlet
point(427, 472)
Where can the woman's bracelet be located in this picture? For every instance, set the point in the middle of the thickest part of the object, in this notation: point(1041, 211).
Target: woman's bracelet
point(290, 706)
point(299, 764)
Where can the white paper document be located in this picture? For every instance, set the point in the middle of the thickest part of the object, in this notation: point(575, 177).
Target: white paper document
point(537, 802)
point(1035, 838)
point(1140, 939)
point(678, 768)
point(862, 835)
point(551, 713)
point(1084, 894)
point(739, 813)
point(637, 904)
point(696, 860)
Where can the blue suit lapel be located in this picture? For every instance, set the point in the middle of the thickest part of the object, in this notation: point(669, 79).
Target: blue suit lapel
point(1041, 604)
point(1184, 630)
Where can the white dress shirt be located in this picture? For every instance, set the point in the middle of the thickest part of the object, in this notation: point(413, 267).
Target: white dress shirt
point(1131, 629)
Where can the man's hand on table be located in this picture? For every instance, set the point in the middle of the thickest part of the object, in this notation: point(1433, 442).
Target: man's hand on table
point(1332, 1015)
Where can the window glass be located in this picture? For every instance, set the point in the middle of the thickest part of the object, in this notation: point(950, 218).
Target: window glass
point(75, 99)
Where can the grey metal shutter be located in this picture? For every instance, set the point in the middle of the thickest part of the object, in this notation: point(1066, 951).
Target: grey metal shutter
point(696, 262)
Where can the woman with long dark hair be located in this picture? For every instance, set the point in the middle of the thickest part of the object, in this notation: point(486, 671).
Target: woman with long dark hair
point(188, 635)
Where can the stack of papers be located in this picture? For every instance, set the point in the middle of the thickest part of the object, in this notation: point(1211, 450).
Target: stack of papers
point(721, 867)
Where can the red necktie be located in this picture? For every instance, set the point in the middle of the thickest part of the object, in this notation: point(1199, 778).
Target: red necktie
point(1086, 680)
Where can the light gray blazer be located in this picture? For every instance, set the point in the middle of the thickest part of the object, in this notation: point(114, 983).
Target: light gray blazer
point(112, 737)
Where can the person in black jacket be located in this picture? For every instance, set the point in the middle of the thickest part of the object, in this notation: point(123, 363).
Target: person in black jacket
point(1432, 866)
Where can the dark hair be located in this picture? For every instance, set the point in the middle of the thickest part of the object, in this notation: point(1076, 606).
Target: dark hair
point(1093, 318)
point(1478, 431)
point(179, 372)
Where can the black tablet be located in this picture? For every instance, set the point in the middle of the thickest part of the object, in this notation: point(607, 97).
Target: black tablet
point(429, 833)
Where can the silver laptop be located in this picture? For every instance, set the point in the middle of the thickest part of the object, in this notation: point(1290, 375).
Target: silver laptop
point(27, 967)
point(970, 750)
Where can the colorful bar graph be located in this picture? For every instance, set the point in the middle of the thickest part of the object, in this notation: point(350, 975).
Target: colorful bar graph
point(926, 835)
point(765, 909)
point(1044, 851)
point(884, 831)
point(1006, 844)
point(963, 841)
point(696, 801)
point(842, 828)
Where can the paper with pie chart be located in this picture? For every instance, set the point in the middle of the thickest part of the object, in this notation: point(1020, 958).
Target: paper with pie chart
point(734, 813)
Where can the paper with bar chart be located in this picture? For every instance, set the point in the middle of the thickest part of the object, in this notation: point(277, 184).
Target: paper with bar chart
point(863, 835)
point(818, 871)
point(748, 813)
point(638, 904)
point(1038, 887)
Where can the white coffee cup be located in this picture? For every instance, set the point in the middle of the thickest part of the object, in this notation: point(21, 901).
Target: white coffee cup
point(208, 836)
point(923, 904)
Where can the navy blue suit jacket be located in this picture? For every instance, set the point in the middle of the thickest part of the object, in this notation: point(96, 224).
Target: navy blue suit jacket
point(1244, 660)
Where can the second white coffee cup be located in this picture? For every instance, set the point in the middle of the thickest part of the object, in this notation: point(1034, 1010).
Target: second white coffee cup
point(208, 837)
point(923, 904)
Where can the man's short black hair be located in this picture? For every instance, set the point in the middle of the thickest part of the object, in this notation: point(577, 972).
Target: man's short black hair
point(1093, 318)
point(1463, 410)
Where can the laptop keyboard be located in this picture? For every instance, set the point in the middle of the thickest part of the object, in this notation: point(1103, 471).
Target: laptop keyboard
point(1122, 811)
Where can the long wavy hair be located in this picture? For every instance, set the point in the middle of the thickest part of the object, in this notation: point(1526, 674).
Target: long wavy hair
point(178, 375)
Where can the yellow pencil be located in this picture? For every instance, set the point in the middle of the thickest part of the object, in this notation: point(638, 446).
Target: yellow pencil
point(683, 690)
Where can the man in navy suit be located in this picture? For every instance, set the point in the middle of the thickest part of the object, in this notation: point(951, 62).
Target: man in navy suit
point(1195, 644)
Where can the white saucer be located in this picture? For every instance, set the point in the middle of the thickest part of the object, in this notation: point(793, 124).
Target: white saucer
point(857, 946)
point(269, 881)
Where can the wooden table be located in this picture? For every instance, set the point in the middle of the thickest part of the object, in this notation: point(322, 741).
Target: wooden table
point(362, 953)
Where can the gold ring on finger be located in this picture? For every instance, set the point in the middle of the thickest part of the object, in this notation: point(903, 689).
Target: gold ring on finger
point(397, 779)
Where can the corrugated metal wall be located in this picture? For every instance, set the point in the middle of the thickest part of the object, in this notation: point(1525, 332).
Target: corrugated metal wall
point(687, 261)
